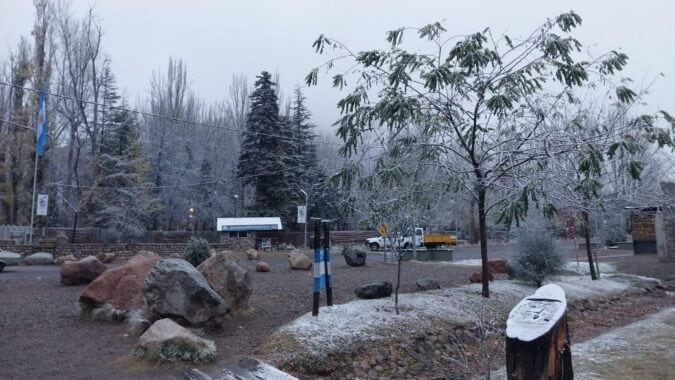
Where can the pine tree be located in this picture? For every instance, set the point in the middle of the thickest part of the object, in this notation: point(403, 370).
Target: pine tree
point(268, 157)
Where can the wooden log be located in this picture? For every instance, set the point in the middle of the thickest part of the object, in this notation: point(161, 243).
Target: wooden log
point(537, 338)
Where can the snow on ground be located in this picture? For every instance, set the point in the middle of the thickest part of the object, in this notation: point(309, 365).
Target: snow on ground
point(340, 326)
point(583, 268)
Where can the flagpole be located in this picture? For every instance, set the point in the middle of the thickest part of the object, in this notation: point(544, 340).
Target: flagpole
point(32, 207)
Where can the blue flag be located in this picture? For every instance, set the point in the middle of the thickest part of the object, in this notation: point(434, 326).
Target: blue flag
point(41, 139)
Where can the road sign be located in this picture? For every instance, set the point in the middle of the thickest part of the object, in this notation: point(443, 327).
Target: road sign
point(383, 229)
point(302, 214)
point(42, 204)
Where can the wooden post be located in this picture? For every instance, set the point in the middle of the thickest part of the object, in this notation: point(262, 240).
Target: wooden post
point(537, 337)
point(326, 261)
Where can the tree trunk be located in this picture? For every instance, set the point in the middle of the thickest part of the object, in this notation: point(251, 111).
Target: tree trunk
point(589, 249)
point(482, 229)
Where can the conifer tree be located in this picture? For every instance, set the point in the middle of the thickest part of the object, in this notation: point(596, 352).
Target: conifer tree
point(268, 160)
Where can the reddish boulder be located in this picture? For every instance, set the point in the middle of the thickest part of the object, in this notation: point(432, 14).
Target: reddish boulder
point(81, 272)
point(120, 286)
point(497, 265)
point(107, 258)
point(476, 277)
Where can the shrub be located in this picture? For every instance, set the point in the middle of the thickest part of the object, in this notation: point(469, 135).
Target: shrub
point(197, 250)
point(537, 256)
point(614, 235)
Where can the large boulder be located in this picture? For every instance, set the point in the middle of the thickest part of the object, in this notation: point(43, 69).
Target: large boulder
point(497, 265)
point(167, 341)
point(62, 259)
point(354, 257)
point(10, 258)
point(252, 254)
point(175, 289)
point(119, 287)
point(81, 272)
point(40, 258)
point(230, 280)
point(427, 284)
point(375, 290)
point(299, 261)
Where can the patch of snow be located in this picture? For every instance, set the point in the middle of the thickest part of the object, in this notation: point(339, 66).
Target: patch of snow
point(583, 269)
point(339, 326)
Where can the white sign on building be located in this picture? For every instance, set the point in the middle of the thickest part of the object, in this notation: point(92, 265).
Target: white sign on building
point(42, 204)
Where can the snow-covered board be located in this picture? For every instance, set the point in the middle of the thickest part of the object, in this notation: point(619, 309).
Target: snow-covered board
point(536, 315)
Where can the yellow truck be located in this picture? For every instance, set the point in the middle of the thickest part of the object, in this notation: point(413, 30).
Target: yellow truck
point(428, 240)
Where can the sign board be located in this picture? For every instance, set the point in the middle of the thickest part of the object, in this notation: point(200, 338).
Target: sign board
point(42, 204)
point(383, 229)
point(302, 214)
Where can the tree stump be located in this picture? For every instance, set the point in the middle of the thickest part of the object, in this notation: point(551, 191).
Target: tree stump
point(537, 338)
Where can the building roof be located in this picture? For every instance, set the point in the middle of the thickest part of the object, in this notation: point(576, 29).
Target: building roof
point(248, 224)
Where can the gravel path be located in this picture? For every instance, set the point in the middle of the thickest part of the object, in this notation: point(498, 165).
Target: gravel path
point(42, 336)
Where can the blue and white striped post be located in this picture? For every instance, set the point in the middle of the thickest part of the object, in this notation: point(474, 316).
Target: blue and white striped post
point(322, 271)
point(318, 268)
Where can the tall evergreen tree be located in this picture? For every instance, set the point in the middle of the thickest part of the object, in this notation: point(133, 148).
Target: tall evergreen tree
point(268, 159)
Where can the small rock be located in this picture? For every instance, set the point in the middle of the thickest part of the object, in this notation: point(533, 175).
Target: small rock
point(299, 261)
point(262, 267)
point(62, 259)
point(167, 341)
point(40, 258)
point(354, 257)
point(252, 254)
point(427, 284)
point(81, 272)
point(375, 290)
point(476, 277)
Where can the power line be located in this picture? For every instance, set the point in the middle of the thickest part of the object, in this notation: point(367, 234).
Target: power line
point(149, 114)
point(18, 125)
point(223, 181)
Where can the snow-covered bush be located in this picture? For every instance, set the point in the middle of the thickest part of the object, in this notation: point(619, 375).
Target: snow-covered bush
point(197, 250)
point(537, 256)
point(614, 235)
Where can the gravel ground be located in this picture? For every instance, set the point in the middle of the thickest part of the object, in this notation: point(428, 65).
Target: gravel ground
point(42, 336)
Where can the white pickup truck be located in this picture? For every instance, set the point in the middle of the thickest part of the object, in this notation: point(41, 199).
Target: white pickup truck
point(404, 242)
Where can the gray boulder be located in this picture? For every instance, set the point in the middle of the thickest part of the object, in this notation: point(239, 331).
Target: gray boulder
point(230, 280)
point(354, 257)
point(427, 284)
point(375, 290)
point(40, 258)
point(175, 289)
point(10, 258)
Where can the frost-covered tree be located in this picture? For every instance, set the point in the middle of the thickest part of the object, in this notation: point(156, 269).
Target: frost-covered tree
point(268, 161)
point(481, 100)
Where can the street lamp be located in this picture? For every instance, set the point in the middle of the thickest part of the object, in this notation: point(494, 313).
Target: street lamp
point(306, 198)
point(236, 198)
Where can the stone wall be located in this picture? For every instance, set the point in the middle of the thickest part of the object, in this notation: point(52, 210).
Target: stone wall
point(125, 251)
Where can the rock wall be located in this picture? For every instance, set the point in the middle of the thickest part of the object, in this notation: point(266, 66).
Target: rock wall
point(125, 251)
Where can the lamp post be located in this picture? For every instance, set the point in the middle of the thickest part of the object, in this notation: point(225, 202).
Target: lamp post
point(191, 216)
point(236, 198)
point(306, 198)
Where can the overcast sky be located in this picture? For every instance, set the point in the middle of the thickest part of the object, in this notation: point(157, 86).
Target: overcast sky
point(221, 38)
